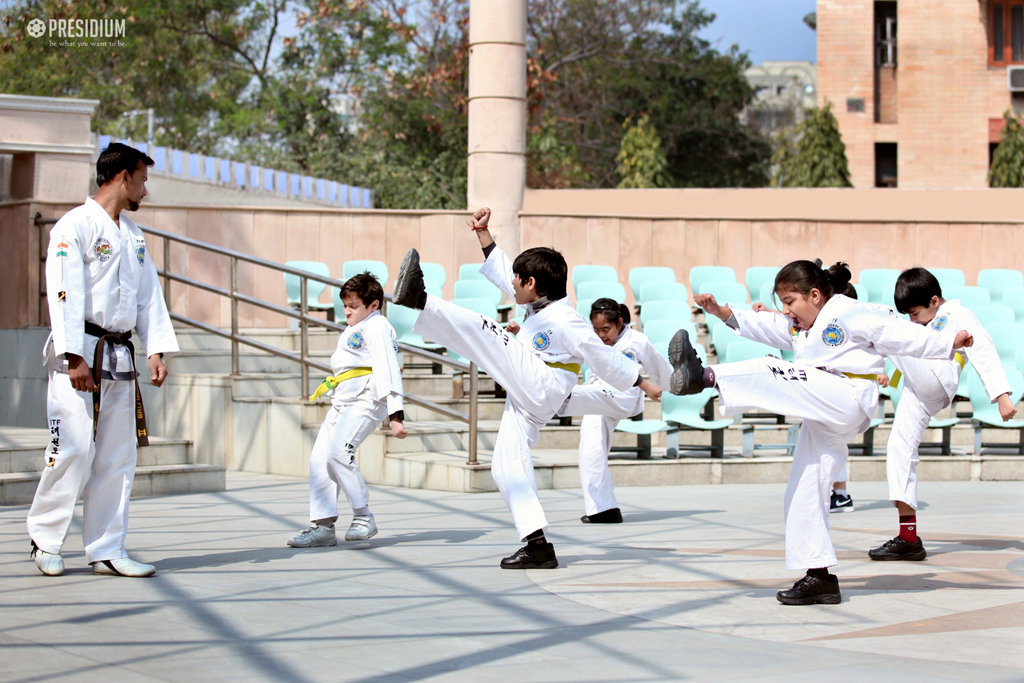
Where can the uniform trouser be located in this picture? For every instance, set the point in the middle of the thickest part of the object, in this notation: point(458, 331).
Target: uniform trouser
point(602, 407)
point(923, 396)
point(535, 391)
point(332, 464)
point(100, 472)
point(832, 415)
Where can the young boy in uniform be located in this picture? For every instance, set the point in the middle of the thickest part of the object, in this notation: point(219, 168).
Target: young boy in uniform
point(537, 377)
point(100, 284)
point(366, 387)
point(928, 387)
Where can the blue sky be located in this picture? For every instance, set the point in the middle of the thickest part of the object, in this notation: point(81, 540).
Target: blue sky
point(765, 29)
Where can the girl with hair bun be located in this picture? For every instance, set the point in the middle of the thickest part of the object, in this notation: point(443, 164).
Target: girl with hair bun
point(602, 406)
point(838, 346)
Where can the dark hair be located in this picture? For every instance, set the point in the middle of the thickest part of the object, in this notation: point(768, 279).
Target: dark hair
point(116, 158)
point(803, 276)
point(915, 287)
point(612, 311)
point(547, 267)
point(850, 291)
point(366, 287)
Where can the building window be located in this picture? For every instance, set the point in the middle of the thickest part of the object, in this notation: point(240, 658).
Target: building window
point(1006, 32)
point(855, 105)
point(885, 34)
point(885, 164)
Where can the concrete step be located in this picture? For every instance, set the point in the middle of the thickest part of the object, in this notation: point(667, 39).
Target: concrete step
point(218, 361)
point(18, 488)
point(191, 339)
point(22, 450)
point(287, 385)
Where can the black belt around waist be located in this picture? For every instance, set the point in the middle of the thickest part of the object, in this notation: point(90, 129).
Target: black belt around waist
point(115, 339)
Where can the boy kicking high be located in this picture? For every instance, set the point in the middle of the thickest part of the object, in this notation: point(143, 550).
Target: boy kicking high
point(538, 376)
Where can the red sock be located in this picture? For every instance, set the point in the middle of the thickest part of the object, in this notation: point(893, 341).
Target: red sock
point(908, 528)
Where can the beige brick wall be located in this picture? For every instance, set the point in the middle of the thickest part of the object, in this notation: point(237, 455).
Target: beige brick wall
point(946, 90)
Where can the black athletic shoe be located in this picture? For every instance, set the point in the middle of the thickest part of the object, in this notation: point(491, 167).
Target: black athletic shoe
point(840, 503)
point(532, 556)
point(812, 590)
point(898, 549)
point(610, 516)
point(409, 287)
point(688, 377)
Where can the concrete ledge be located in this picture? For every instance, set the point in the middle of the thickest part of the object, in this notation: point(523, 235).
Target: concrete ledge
point(158, 480)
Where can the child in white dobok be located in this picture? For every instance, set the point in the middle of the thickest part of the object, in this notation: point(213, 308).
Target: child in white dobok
point(367, 386)
point(602, 406)
point(928, 387)
point(832, 386)
point(537, 375)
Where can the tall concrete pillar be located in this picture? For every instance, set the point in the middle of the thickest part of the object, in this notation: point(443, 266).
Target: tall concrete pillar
point(497, 114)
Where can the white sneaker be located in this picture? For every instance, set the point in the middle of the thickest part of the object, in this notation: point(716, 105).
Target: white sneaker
point(49, 563)
point(363, 528)
point(315, 536)
point(123, 566)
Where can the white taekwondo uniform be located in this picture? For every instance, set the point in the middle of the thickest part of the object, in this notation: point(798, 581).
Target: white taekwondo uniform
point(358, 406)
point(928, 387)
point(602, 406)
point(847, 338)
point(555, 334)
point(97, 272)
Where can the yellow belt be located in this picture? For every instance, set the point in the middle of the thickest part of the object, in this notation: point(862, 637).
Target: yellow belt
point(331, 382)
point(896, 376)
point(574, 368)
point(853, 376)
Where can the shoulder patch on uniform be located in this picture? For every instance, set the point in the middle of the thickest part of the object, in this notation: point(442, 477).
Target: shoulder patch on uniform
point(355, 341)
point(630, 355)
point(140, 251)
point(940, 322)
point(541, 341)
point(62, 296)
point(834, 334)
point(101, 250)
point(62, 249)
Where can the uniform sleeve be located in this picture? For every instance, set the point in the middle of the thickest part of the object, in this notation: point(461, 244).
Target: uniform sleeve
point(773, 329)
point(498, 269)
point(387, 376)
point(984, 356)
point(893, 336)
point(153, 322)
point(607, 363)
point(65, 286)
point(657, 366)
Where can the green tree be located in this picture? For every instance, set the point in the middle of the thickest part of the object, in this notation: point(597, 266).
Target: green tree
point(641, 161)
point(813, 156)
point(1008, 160)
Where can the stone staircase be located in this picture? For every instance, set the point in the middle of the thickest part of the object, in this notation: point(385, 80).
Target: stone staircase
point(164, 467)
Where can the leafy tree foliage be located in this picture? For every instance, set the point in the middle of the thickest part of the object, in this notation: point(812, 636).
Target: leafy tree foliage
point(641, 161)
point(814, 155)
point(1008, 161)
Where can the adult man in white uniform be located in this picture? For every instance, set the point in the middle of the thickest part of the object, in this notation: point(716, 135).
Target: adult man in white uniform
point(100, 284)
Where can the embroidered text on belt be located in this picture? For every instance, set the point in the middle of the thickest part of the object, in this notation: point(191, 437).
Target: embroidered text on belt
point(896, 376)
point(115, 339)
point(574, 368)
point(332, 382)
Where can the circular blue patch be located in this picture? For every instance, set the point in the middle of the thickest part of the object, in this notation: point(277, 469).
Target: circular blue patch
point(939, 322)
point(541, 341)
point(355, 341)
point(140, 253)
point(834, 335)
point(630, 355)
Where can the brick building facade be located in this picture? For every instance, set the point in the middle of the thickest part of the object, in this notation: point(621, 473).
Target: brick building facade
point(920, 107)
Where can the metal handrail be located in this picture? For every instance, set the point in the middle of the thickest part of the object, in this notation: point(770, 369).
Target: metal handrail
point(302, 315)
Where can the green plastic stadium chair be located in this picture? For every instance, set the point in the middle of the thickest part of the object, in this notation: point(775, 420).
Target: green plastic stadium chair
point(997, 280)
point(477, 289)
point(663, 291)
point(880, 283)
point(659, 331)
point(1007, 337)
point(435, 272)
point(968, 296)
point(584, 306)
point(759, 276)
point(666, 310)
point(638, 277)
point(725, 292)
point(993, 314)
point(986, 415)
point(746, 349)
point(293, 283)
point(403, 319)
point(701, 274)
point(471, 271)
point(948, 277)
point(862, 292)
point(591, 273)
point(377, 268)
point(722, 337)
point(683, 413)
point(597, 289)
point(1014, 298)
point(767, 297)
